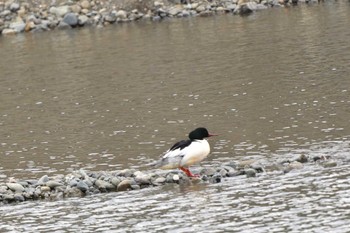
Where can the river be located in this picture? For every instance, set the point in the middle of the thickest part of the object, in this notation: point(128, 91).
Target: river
point(274, 84)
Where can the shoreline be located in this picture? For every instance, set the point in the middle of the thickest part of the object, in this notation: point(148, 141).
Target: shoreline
point(83, 183)
point(46, 15)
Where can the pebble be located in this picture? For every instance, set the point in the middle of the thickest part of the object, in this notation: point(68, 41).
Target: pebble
point(82, 186)
point(71, 19)
point(250, 172)
point(101, 184)
point(53, 184)
point(16, 187)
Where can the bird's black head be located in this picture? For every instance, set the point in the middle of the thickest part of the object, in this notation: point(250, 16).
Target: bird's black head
point(199, 134)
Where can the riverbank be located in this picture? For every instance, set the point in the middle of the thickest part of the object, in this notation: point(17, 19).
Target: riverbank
point(82, 183)
point(17, 16)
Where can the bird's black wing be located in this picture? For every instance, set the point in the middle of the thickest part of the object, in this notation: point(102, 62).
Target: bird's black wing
point(180, 145)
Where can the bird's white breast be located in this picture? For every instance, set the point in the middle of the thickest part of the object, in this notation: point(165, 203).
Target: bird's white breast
point(195, 152)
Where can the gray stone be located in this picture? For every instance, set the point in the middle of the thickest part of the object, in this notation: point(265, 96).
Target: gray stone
point(53, 184)
point(45, 189)
point(8, 197)
point(175, 10)
point(302, 159)
point(126, 173)
point(14, 7)
point(159, 180)
point(43, 180)
point(110, 18)
point(293, 166)
point(101, 184)
point(62, 25)
point(3, 189)
point(115, 181)
point(215, 179)
point(329, 163)
point(250, 172)
point(71, 19)
point(18, 25)
point(209, 171)
point(231, 7)
point(83, 20)
point(59, 11)
point(121, 14)
point(8, 31)
point(200, 8)
point(5, 13)
point(18, 197)
point(82, 186)
point(73, 192)
point(15, 187)
point(85, 4)
point(143, 179)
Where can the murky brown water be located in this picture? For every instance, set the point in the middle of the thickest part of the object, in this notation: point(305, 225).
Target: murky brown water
point(272, 84)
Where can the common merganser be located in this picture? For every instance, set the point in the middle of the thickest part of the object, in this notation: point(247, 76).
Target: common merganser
point(187, 152)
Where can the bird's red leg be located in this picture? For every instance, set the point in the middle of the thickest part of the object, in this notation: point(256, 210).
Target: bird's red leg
point(188, 172)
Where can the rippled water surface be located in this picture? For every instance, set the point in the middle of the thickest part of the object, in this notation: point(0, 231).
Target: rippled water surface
point(274, 84)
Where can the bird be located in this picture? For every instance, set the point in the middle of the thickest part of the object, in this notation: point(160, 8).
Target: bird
point(187, 152)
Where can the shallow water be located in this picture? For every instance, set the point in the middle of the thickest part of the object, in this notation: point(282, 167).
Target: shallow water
point(274, 84)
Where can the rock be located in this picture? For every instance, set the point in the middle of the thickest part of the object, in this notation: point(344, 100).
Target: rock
point(29, 26)
point(3, 189)
point(43, 180)
point(5, 13)
point(15, 187)
point(222, 172)
point(115, 181)
point(73, 192)
point(158, 4)
point(143, 179)
point(176, 178)
point(71, 19)
point(110, 18)
point(18, 25)
point(243, 10)
point(124, 185)
point(14, 7)
point(231, 7)
point(18, 197)
point(53, 184)
point(329, 163)
point(8, 197)
point(82, 20)
point(302, 159)
point(250, 172)
point(121, 14)
point(200, 8)
point(101, 184)
point(85, 4)
point(215, 179)
point(75, 9)
point(159, 181)
point(126, 173)
point(209, 171)
point(173, 11)
point(206, 13)
point(293, 166)
point(59, 11)
point(82, 186)
point(62, 25)
point(45, 189)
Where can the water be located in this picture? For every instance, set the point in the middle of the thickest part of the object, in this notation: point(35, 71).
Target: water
point(274, 84)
